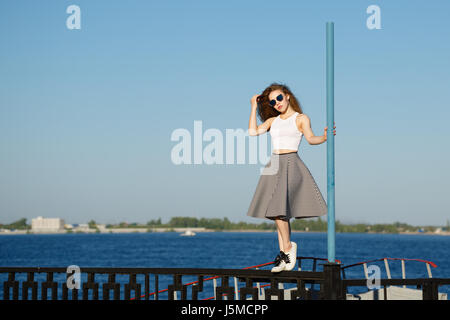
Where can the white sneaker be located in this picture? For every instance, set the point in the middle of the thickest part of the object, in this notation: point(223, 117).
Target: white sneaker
point(279, 263)
point(291, 257)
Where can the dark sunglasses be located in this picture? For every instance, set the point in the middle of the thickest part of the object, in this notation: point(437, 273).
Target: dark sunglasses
point(273, 102)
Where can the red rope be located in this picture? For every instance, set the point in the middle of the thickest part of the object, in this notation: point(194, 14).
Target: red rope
point(382, 259)
point(251, 267)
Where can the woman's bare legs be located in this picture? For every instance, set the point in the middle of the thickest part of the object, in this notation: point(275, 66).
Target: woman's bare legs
point(284, 234)
point(280, 239)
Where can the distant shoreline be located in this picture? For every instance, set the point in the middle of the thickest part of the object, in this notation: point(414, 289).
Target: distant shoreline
point(195, 224)
point(198, 230)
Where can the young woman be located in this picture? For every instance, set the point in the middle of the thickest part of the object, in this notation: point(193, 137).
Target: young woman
point(286, 188)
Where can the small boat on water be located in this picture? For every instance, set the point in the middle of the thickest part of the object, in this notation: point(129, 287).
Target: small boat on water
point(188, 233)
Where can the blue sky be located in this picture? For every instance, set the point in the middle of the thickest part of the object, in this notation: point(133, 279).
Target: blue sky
point(86, 115)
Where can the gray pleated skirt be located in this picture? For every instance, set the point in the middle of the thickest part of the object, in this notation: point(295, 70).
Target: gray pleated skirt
point(286, 189)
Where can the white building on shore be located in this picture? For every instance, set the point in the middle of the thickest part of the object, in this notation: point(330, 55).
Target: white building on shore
point(41, 224)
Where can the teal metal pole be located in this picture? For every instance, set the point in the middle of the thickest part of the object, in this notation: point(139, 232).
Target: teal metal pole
point(330, 142)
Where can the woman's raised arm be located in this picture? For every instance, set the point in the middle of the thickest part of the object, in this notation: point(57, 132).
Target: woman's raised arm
point(253, 128)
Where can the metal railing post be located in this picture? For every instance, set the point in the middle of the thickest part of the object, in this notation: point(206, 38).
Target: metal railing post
point(331, 288)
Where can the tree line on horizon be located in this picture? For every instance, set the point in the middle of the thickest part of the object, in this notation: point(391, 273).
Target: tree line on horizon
point(314, 225)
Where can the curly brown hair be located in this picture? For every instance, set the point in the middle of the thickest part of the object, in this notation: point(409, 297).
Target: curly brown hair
point(266, 111)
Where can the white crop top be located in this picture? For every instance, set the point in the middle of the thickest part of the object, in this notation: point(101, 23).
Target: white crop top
point(285, 134)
